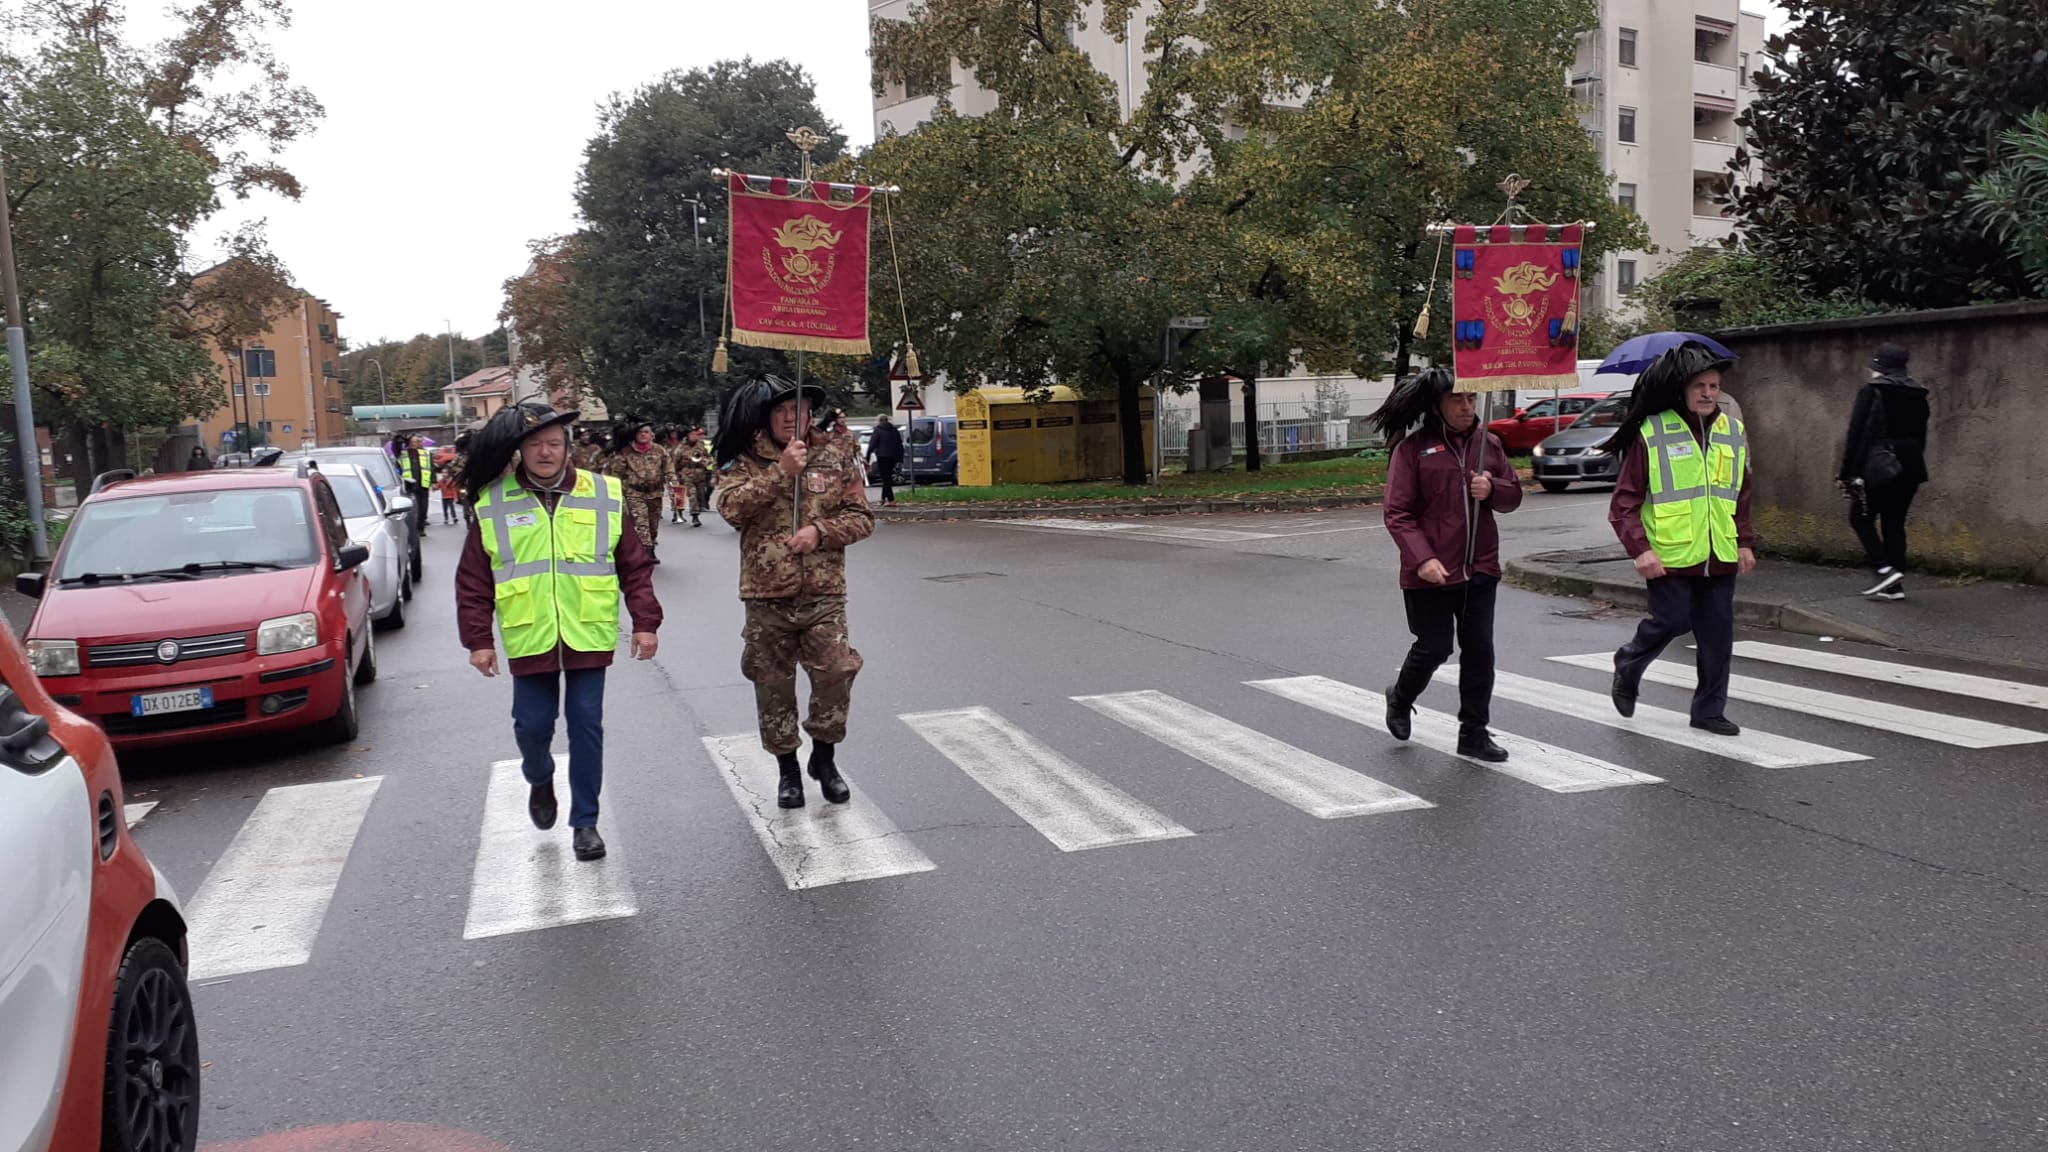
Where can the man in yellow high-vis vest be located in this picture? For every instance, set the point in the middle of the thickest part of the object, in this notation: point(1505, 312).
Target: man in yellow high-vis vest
point(1681, 510)
point(549, 557)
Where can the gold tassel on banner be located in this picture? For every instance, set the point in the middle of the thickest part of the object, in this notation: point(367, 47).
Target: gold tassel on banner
point(719, 363)
point(1422, 322)
point(1429, 296)
point(910, 362)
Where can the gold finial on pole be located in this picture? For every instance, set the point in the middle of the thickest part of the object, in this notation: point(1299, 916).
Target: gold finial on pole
point(1513, 186)
point(805, 139)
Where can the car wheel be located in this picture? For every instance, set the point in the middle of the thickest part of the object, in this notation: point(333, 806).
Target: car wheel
point(341, 728)
point(151, 1101)
point(395, 618)
point(405, 592)
point(1555, 485)
point(366, 668)
point(418, 569)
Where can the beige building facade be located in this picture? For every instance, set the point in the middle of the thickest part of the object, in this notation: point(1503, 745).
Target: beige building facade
point(300, 404)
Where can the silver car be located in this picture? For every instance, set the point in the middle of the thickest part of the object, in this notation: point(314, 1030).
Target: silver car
point(1574, 455)
point(378, 521)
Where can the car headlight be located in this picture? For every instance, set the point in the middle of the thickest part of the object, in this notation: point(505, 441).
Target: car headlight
point(1538, 450)
point(53, 657)
point(287, 634)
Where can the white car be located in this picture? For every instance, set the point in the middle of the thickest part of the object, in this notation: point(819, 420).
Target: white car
point(378, 520)
point(98, 1048)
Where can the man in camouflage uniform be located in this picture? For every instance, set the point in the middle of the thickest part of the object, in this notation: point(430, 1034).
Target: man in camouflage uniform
point(646, 471)
point(589, 454)
point(693, 474)
point(795, 495)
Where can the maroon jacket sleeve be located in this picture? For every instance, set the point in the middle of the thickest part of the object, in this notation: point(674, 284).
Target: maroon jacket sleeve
point(1403, 506)
point(1507, 487)
point(1745, 535)
point(636, 579)
point(1625, 511)
point(476, 599)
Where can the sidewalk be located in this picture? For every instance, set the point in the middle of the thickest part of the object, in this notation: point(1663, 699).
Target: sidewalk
point(1983, 621)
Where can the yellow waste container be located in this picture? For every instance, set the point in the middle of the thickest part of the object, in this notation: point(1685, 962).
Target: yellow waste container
point(1010, 436)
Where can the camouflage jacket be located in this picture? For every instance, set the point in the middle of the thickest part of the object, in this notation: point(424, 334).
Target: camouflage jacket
point(755, 497)
point(589, 457)
point(648, 471)
point(693, 462)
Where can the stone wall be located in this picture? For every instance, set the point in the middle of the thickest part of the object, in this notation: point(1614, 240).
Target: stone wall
point(1986, 508)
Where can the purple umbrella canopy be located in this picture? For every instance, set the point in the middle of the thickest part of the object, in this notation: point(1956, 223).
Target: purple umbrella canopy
point(1635, 355)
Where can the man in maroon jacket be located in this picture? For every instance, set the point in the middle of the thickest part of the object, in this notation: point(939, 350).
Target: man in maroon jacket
point(1447, 477)
point(545, 476)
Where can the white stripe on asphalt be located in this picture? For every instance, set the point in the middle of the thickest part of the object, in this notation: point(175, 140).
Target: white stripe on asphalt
point(1752, 747)
point(819, 844)
point(1945, 729)
point(133, 813)
point(261, 905)
point(1530, 761)
point(1069, 805)
point(526, 879)
point(1319, 787)
point(1951, 683)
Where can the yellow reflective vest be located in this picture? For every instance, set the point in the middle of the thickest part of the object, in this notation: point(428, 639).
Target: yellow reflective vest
point(416, 468)
point(555, 574)
point(1690, 513)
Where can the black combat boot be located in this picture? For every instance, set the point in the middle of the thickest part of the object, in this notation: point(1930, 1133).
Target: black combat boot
point(1400, 714)
point(826, 773)
point(790, 794)
point(1475, 742)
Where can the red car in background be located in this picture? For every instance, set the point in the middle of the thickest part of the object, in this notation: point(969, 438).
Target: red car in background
point(1531, 426)
point(206, 605)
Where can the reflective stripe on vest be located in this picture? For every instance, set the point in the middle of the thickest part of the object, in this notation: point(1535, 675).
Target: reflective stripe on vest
point(555, 575)
point(1690, 513)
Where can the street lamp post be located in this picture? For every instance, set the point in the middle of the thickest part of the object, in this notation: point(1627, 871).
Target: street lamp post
point(24, 404)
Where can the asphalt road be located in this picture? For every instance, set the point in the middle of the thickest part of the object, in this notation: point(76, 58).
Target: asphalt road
point(1840, 952)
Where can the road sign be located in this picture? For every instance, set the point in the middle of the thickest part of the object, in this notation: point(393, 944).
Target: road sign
point(911, 401)
point(259, 363)
point(899, 369)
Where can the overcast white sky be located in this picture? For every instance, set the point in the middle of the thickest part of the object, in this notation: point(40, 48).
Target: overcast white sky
point(455, 129)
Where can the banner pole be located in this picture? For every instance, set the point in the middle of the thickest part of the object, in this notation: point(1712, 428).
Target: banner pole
point(805, 139)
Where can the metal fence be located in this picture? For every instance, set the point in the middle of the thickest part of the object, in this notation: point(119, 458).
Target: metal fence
point(1285, 428)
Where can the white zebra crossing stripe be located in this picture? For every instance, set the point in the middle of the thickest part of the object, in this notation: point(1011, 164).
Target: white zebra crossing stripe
point(819, 844)
point(1322, 788)
point(1070, 806)
point(526, 879)
point(1530, 761)
point(133, 813)
point(262, 904)
point(1959, 731)
point(1883, 671)
point(1751, 747)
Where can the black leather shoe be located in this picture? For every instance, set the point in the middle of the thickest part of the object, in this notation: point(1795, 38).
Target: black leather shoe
point(1623, 693)
point(790, 793)
point(1479, 745)
point(826, 773)
point(1400, 716)
point(540, 804)
point(589, 845)
point(1719, 726)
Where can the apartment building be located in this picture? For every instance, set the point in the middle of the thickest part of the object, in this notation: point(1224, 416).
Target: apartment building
point(1660, 86)
point(288, 392)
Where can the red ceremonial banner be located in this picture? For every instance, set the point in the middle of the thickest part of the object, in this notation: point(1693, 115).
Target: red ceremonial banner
point(798, 265)
point(1515, 306)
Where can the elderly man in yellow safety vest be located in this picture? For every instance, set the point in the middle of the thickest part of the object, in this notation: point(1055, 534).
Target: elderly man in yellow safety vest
point(1681, 510)
point(550, 555)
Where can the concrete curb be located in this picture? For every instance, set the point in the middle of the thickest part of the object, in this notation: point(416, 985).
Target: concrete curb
point(1563, 579)
point(1123, 508)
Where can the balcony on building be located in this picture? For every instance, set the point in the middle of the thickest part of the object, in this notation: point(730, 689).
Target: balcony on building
point(1713, 217)
point(1714, 133)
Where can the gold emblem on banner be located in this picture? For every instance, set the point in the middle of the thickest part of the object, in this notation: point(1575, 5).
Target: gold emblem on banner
point(798, 271)
point(1516, 314)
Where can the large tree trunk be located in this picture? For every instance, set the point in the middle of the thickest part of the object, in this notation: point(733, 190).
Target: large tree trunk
point(1137, 469)
point(1404, 341)
point(1251, 420)
point(94, 450)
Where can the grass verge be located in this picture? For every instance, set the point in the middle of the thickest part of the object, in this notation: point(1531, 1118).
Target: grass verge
point(1348, 476)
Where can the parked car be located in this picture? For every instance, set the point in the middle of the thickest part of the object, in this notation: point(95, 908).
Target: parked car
point(1574, 454)
point(100, 1047)
point(933, 453)
point(379, 522)
point(383, 472)
point(205, 605)
point(1529, 426)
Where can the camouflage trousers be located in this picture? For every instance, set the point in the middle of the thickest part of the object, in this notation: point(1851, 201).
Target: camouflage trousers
point(645, 509)
point(779, 635)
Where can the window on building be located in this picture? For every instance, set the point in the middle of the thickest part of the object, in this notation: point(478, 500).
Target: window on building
point(1627, 53)
point(327, 332)
point(1625, 277)
point(241, 389)
point(327, 369)
point(1626, 131)
point(1625, 195)
point(1742, 66)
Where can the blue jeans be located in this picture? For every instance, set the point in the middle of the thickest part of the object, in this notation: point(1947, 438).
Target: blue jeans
point(536, 700)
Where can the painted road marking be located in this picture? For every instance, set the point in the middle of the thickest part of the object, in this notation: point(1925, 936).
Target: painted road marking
point(262, 904)
point(1884, 671)
point(526, 879)
point(1940, 727)
point(1322, 788)
point(133, 813)
point(1069, 805)
point(819, 844)
point(1752, 747)
point(1530, 761)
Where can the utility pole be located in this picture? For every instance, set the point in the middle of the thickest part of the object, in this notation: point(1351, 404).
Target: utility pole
point(451, 352)
point(24, 404)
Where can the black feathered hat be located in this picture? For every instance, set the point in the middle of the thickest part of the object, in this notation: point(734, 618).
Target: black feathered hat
point(491, 447)
point(1412, 403)
point(747, 413)
point(1661, 388)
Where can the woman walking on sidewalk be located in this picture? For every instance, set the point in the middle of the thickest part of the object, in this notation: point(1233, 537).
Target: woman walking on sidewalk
point(1883, 465)
point(1681, 509)
point(1446, 478)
